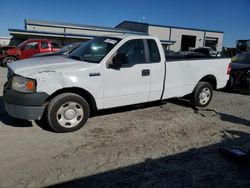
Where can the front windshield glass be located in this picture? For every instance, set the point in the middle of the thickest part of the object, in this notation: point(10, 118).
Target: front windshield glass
point(243, 58)
point(94, 50)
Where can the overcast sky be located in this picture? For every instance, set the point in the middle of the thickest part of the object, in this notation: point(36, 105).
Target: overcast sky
point(230, 16)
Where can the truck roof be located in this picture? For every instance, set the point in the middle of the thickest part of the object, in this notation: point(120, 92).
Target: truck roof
point(167, 42)
point(123, 36)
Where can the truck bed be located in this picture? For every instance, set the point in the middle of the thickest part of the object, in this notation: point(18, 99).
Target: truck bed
point(183, 74)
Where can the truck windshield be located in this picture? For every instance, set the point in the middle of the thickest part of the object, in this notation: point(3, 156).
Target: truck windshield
point(94, 50)
point(22, 44)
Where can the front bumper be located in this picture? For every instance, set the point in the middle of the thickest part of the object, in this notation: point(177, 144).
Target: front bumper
point(24, 112)
point(28, 106)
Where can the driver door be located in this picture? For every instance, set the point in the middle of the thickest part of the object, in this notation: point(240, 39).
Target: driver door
point(29, 49)
point(130, 83)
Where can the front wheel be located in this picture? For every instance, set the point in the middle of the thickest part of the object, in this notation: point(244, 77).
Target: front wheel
point(202, 94)
point(67, 112)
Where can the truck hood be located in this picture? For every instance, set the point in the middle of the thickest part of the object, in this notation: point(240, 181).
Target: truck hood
point(31, 66)
point(11, 50)
point(8, 47)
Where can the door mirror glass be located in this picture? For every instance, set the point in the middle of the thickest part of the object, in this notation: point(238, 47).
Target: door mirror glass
point(120, 59)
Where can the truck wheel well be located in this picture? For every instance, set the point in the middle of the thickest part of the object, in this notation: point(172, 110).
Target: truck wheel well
point(210, 79)
point(12, 56)
point(87, 96)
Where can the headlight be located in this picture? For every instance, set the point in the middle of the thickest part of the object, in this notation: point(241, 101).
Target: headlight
point(24, 85)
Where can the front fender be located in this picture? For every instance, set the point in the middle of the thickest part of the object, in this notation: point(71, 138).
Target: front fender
point(52, 81)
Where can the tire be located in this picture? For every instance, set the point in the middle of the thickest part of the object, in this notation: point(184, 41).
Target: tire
point(248, 87)
point(202, 94)
point(8, 60)
point(230, 85)
point(67, 112)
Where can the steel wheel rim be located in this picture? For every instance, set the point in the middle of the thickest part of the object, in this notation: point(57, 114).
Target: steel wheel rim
point(204, 96)
point(70, 114)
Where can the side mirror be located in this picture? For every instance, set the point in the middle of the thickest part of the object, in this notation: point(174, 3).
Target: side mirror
point(119, 60)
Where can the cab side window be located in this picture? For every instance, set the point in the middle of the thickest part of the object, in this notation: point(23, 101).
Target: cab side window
point(44, 45)
point(134, 51)
point(153, 51)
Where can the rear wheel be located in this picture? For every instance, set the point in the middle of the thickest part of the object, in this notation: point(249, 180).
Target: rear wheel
point(8, 60)
point(67, 112)
point(202, 94)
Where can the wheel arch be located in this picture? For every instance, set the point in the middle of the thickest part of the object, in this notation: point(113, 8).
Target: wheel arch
point(13, 56)
point(82, 92)
point(4, 63)
point(210, 79)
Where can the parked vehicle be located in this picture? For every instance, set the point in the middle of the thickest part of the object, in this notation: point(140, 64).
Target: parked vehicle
point(26, 49)
point(208, 51)
point(183, 55)
point(106, 72)
point(240, 73)
point(242, 45)
point(66, 50)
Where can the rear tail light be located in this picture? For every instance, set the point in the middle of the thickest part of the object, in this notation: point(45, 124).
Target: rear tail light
point(229, 69)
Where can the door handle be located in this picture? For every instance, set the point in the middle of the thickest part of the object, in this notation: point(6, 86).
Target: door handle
point(94, 74)
point(145, 72)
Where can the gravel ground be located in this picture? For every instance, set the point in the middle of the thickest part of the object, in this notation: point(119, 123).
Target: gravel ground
point(155, 145)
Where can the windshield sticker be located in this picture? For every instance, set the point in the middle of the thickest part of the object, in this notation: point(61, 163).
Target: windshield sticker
point(111, 41)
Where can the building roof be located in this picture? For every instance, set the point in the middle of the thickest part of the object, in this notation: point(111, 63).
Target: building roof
point(167, 26)
point(77, 26)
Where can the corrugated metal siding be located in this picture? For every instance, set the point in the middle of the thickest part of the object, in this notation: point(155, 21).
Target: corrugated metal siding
point(88, 32)
point(45, 29)
point(69, 30)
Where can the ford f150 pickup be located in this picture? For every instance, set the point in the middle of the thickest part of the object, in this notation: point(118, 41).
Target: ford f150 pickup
point(26, 49)
point(103, 73)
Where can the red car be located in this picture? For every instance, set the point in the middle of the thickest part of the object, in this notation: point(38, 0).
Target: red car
point(26, 49)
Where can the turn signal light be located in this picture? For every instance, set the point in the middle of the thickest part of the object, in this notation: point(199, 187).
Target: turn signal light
point(30, 85)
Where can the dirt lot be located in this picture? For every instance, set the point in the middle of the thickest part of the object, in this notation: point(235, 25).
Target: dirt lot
point(156, 145)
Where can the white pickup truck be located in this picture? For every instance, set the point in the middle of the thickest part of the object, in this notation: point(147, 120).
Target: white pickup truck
point(103, 73)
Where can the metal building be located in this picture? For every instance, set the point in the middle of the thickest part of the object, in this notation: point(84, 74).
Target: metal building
point(64, 33)
point(185, 38)
point(4, 41)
